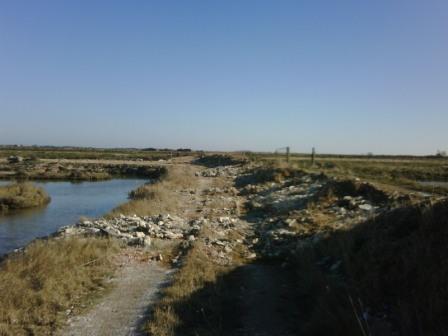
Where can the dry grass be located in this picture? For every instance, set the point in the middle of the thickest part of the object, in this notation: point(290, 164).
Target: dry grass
point(48, 278)
point(159, 197)
point(181, 308)
point(22, 195)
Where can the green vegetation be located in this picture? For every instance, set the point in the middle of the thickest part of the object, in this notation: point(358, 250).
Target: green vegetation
point(21, 196)
point(39, 285)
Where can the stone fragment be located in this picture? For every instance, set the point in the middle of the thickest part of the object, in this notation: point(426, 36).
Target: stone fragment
point(366, 207)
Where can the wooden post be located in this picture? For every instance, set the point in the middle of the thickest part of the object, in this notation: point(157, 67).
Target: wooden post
point(287, 154)
point(313, 154)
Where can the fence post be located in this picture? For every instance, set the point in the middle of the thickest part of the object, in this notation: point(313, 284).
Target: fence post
point(313, 154)
point(287, 154)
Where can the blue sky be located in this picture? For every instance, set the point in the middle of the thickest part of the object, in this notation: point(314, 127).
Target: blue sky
point(343, 76)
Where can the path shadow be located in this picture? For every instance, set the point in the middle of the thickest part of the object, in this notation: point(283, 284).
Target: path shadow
point(254, 299)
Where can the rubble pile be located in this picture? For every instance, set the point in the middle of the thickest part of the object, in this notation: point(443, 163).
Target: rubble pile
point(135, 230)
point(299, 211)
point(229, 171)
point(219, 246)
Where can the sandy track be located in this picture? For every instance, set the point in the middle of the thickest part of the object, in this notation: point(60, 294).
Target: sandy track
point(124, 310)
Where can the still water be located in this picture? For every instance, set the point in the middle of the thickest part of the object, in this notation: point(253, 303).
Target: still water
point(69, 201)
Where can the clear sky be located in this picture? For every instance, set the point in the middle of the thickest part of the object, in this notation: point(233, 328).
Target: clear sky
point(344, 76)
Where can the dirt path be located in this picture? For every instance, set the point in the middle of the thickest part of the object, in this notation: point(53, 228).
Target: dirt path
point(125, 308)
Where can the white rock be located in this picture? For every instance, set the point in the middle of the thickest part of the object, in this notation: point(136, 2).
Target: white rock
point(366, 207)
point(147, 241)
point(228, 249)
point(173, 235)
point(140, 235)
point(252, 256)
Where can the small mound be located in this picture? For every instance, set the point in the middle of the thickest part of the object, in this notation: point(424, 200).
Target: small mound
point(218, 160)
point(21, 196)
point(269, 174)
point(341, 188)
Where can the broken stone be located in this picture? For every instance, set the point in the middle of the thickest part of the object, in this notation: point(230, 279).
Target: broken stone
point(147, 241)
point(252, 256)
point(228, 249)
point(139, 235)
point(366, 207)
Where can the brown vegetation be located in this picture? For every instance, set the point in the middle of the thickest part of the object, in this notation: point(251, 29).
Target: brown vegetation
point(47, 279)
point(161, 196)
point(22, 195)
